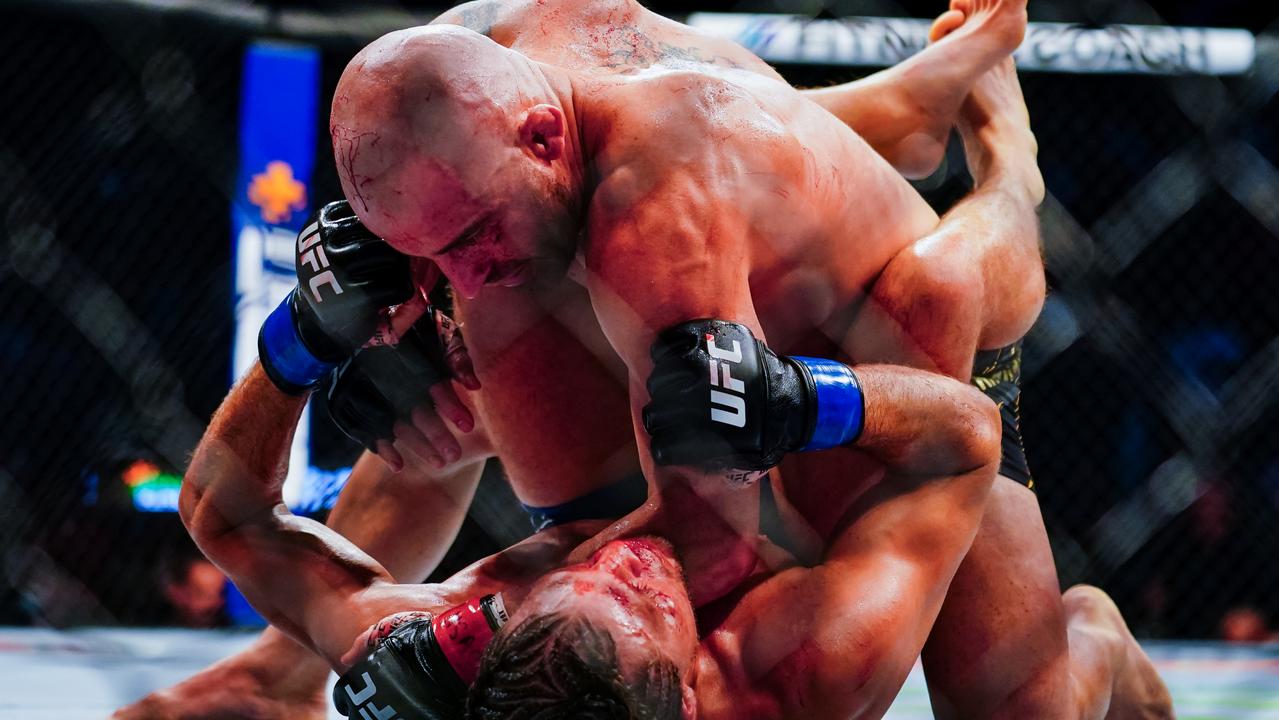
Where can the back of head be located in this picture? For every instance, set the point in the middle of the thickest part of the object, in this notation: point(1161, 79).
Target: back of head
point(428, 89)
point(559, 666)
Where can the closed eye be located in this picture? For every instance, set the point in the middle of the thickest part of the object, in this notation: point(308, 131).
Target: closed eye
point(469, 236)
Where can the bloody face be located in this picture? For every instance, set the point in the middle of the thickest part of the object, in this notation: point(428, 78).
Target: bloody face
point(632, 587)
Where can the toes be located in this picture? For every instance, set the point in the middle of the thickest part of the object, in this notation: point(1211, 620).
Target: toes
point(945, 25)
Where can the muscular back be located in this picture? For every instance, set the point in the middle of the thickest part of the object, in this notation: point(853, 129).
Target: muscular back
point(555, 395)
point(814, 211)
point(820, 198)
point(599, 36)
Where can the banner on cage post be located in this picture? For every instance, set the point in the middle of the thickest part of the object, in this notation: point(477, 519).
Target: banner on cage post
point(278, 115)
point(1052, 47)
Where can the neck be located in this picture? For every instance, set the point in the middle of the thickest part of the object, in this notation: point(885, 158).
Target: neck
point(577, 159)
point(713, 528)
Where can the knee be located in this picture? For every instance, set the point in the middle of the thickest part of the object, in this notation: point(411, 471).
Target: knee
point(936, 294)
point(944, 275)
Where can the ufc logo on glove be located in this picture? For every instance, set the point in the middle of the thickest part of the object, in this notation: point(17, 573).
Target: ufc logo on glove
point(364, 701)
point(720, 364)
point(311, 252)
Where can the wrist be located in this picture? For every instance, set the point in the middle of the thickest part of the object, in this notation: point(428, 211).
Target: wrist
point(838, 408)
point(288, 362)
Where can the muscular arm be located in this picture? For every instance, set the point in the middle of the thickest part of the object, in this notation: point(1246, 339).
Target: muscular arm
point(382, 512)
point(673, 255)
point(306, 579)
point(837, 640)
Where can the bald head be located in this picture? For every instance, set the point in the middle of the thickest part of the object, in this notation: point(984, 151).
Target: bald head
point(425, 92)
point(433, 126)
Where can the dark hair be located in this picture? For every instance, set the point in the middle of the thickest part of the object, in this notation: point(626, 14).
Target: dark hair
point(559, 666)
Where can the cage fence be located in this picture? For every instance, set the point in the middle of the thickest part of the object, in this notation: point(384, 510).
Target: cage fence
point(1151, 384)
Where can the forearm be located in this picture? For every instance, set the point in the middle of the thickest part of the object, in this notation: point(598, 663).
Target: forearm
point(237, 471)
point(922, 424)
point(299, 574)
point(381, 512)
point(405, 520)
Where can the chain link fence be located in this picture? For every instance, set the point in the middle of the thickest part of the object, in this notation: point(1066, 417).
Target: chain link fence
point(1151, 381)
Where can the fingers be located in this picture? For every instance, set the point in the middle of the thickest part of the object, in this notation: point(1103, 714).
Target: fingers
point(394, 324)
point(657, 417)
point(406, 314)
point(431, 426)
point(456, 356)
point(459, 362)
point(408, 437)
point(389, 455)
point(448, 405)
point(425, 273)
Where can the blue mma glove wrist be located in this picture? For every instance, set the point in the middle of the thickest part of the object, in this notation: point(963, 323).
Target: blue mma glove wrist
point(840, 409)
point(290, 365)
point(721, 399)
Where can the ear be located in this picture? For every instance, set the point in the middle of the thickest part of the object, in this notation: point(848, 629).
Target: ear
point(688, 706)
point(542, 132)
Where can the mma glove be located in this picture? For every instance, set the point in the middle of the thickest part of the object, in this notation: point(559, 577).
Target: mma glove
point(722, 400)
point(423, 668)
point(346, 277)
point(378, 385)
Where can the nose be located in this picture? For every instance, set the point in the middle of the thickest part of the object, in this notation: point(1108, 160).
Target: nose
point(467, 278)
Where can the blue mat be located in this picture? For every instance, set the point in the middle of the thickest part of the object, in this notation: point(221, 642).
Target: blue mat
point(85, 674)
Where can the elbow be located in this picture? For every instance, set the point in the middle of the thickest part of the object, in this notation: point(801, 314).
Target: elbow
point(976, 442)
point(937, 295)
point(190, 498)
point(1009, 321)
point(203, 522)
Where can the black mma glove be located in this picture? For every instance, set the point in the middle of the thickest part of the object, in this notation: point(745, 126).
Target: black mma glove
point(381, 384)
point(423, 668)
point(346, 277)
point(720, 399)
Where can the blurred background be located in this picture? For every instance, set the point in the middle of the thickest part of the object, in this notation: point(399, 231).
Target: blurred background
point(157, 158)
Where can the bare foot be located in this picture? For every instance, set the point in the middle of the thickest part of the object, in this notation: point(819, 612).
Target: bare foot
point(1136, 690)
point(995, 127)
point(967, 40)
point(907, 111)
point(992, 29)
point(233, 689)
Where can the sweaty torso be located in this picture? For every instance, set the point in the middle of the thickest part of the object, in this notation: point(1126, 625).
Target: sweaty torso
point(825, 211)
point(823, 214)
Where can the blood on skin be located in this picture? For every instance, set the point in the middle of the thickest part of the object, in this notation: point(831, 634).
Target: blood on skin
point(347, 152)
point(620, 598)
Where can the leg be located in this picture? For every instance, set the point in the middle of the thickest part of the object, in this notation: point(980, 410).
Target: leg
point(977, 281)
point(1007, 645)
point(277, 678)
point(999, 646)
point(907, 111)
point(1108, 667)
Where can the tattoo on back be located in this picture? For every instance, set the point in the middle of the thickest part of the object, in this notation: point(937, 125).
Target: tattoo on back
point(632, 49)
point(479, 16)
